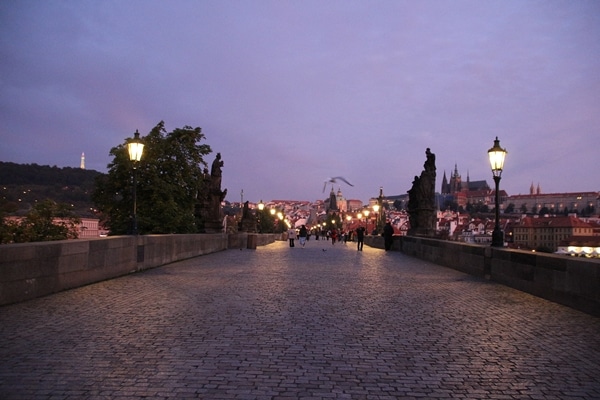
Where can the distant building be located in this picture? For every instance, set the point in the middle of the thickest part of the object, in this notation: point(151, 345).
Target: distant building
point(456, 185)
point(549, 232)
point(88, 227)
point(354, 205)
point(469, 192)
point(331, 204)
point(342, 205)
point(555, 203)
point(588, 247)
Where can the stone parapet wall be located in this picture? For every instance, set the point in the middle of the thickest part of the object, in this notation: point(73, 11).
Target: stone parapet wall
point(572, 281)
point(30, 270)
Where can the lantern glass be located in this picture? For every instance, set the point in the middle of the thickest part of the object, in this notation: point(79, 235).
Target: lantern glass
point(135, 148)
point(497, 155)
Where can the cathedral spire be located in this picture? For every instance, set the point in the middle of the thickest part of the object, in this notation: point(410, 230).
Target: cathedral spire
point(445, 188)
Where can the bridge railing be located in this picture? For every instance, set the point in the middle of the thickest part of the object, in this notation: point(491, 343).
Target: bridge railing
point(571, 281)
point(30, 270)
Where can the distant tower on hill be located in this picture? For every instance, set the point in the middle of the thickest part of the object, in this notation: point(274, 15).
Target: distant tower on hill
point(82, 165)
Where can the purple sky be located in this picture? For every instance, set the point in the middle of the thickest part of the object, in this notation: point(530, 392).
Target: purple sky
point(294, 92)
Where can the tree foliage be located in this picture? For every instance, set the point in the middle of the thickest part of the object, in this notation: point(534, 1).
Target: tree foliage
point(266, 221)
point(510, 208)
point(169, 179)
point(46, 221)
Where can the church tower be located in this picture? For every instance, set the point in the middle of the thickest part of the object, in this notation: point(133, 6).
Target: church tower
point(332, 201)
point(341, 201)
point(82, 164)
point(445, 185)
point(455, 181)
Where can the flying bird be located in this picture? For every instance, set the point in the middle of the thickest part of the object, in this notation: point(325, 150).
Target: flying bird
point(334, 180)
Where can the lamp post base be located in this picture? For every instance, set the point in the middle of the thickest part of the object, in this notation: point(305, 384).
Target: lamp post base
point(497, 238)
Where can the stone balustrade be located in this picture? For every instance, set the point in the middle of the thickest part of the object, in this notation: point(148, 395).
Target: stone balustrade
point(572, 281)
point(30, 270)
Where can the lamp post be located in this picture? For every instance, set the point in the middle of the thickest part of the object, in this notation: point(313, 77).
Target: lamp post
point(497, 155)
point(261, 207)
point(135, 148)
point(376, 210)
point(366, 213)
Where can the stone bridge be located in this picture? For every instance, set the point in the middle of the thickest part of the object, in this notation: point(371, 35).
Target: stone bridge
point(320, 322)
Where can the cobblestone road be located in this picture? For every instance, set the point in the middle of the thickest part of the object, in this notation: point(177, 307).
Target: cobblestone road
point(323, 322)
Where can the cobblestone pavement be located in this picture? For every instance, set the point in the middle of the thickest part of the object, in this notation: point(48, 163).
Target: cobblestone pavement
point(321, 322)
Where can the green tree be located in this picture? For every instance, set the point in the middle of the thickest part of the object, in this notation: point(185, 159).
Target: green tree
point(510, 208)
point(169, 183)
point(46, 221)
point(266, 221)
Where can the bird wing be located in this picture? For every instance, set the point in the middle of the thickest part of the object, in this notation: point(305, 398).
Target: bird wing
point(342, 179)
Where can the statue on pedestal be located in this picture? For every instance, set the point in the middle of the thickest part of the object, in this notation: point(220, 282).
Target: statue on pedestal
point(248, 222)
point(421, 200)
point(212, 197)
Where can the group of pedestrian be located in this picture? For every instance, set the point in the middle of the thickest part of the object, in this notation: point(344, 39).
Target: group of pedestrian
point(303, 235)
point(388, 236)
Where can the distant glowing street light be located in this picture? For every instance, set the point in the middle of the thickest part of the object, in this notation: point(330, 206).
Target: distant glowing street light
point(261, 207)
point(497, 155)
point(376, 210)
point(135, 148)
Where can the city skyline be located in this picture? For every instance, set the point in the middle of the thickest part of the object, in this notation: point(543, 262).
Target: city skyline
point(294, 93)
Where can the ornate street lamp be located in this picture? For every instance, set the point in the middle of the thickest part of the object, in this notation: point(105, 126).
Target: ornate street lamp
point(497, 155)
point(366, 213)
point(135, 148)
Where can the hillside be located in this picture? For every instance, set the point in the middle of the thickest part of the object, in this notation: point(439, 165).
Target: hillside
point(21, 185)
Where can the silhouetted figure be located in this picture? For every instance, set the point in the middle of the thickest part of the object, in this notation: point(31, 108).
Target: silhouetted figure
point(360, 237)
point(388, 236)
point(292, 236)
point(303, 235)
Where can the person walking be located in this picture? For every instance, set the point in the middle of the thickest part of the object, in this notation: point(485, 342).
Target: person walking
point(291, 236)
point(302, 236)
point(388, 235)
point(360, 237)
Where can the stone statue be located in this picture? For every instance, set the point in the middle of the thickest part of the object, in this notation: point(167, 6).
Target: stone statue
point(215, 171)
point(213, 197)
point(421, 199)
point(248, 222)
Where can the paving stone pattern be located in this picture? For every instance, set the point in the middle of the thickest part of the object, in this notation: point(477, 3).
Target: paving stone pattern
point(321, 322)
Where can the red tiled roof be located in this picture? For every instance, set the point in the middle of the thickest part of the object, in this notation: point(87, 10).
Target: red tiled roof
point(555, 222)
